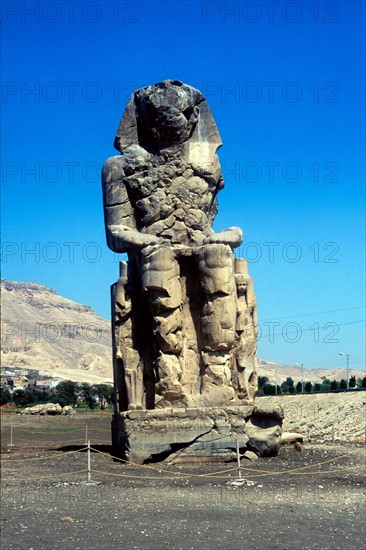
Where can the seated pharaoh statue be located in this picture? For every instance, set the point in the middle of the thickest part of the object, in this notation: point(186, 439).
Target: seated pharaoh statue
point(184, 309)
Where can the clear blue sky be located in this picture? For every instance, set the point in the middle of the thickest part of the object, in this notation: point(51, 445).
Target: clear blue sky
point(285, 82)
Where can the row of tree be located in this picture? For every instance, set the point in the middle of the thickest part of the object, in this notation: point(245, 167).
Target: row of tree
point(65, 393)
point(98, 395)
point(288, 386)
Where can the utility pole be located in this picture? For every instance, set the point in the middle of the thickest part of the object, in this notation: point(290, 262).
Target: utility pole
point(276, 383)
point(302, 375)
point(347, 358)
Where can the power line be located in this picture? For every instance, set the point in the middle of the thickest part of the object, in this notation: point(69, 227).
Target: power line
point(315, 313)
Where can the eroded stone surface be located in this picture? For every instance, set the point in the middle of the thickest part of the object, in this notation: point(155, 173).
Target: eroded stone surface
point(184, 309)
point(178, 432)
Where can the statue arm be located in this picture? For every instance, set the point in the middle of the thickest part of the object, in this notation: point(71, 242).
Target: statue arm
point(233, 236)
point(122, 233)
point(121, 238)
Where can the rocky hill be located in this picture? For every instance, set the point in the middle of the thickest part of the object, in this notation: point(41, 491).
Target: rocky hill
point(62, 339)
point(56, 336)
point(269, 369)
point(323, 417)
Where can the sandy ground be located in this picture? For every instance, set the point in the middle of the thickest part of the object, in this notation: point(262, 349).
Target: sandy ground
point(298, 500)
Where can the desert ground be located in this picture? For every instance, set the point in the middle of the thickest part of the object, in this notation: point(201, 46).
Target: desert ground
point(297, 500)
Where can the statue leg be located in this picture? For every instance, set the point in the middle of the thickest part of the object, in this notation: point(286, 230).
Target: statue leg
point(160, 279)
point(218, 314)
point(126, 354)
point(218, 318)
point(247, 330)
point(246, 365)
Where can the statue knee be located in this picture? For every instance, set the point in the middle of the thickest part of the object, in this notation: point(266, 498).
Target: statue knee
point(160, 277)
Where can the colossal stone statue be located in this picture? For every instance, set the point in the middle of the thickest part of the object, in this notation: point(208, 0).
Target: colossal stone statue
point(184, 309)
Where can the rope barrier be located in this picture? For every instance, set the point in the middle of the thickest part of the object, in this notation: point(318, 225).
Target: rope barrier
point(32, 444)
point(60, 432)
point(222, 477)
point(42, 457)
point(147, 466)
point(45, 477)
point(184, 475)
point(52, 433)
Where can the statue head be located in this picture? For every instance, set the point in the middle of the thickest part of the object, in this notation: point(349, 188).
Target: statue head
point(167, 115)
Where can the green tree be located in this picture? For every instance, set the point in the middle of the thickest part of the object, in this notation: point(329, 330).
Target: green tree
point(343, 384)
point(363, 382)
point(317, 387)
point(23, 397)
point(5, 396)
point(334, 385)
point(66, 393)
point(104, 392)
point(299, 387)
point(287, 384)
point(262, 381)
point(88, 394)
point(62, 399)
point(308, 387)
point(352, 382)
point(269, 389)
point(326, 385)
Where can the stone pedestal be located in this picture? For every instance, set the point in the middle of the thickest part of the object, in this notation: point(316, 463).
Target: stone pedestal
point(179, 434)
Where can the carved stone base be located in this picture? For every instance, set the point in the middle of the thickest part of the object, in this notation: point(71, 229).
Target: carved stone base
point(205, 433)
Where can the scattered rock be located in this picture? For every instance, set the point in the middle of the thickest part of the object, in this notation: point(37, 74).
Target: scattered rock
point(299, 447)
point(46, 408)
point(249, 455)
point(68, 410)
point(291, 437)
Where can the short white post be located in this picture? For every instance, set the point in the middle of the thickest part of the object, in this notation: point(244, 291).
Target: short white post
point(11, 437)
point(238, 458)
point(88, 460)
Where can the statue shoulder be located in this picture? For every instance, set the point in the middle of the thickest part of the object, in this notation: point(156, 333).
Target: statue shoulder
point(113, 169)
point(133, 159)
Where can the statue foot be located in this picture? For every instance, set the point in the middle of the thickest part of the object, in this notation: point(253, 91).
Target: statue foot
point(135, 407)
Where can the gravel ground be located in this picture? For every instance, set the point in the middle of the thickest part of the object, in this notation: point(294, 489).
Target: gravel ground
point(299, 500)
point(315, 506)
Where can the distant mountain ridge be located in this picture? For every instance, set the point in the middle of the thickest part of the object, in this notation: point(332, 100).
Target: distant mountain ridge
point(265, 368)
point(62, 339)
